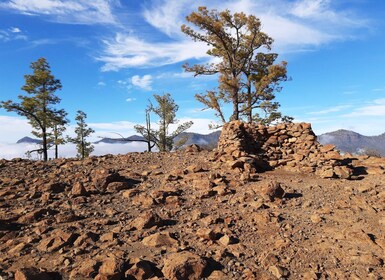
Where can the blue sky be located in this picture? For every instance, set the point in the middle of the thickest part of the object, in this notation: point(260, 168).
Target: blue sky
point(112, 56)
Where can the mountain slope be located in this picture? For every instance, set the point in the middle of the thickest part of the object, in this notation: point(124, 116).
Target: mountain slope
point(353, 142)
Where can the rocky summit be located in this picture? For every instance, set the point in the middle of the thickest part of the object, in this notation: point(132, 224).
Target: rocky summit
point(268, 203)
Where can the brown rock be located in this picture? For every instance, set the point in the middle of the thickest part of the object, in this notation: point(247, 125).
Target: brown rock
point(206, 234)
point(273, 190)
point(147, 220)
point(227, 240)
point(326, 172)
point(109, 236)
point(88, 269)
point(143, 269)
point(327, 148)
point(279, 271)
point(55, 187)
point(343, 172)
point(112, 268)
point(103, 177)
point(218, 275)
point(118, 186)
point(183, 265)
point(33, 273)
point(78, 190)
point(160, 239)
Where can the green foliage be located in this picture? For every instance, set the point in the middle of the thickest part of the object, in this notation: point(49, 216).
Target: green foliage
point(84, 148)
point(166, 112)
point(248, 78)
point(38, 106)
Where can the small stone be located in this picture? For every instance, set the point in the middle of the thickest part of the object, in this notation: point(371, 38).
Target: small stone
point(273, 190)
point(227, 240)
point(78, 190)
point(206, 234)
point(183, 265)
point(315, 218)
point(33, 273)
point(159, 240)
point(147, 220)
point(279, 271)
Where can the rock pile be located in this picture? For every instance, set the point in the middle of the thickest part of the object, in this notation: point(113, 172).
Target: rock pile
point(294, 146)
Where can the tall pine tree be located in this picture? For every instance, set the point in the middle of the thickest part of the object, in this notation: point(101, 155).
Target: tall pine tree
point(38, 106)
point(248, 78)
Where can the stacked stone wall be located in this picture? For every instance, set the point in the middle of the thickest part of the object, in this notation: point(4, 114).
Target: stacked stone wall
point(292, 146)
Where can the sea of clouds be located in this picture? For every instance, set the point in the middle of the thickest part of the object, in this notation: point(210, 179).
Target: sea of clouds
point(10, 151)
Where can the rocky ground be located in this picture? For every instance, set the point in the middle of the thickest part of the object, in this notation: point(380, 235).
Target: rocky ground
point(181, 215)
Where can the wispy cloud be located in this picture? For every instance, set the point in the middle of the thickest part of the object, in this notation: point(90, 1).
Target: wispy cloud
point(66, 11)
point(130, 99)
point(334, 109)
point(378, 89)
point(295, 26)
point(376, 108)
point(11, 34)
point(144, 82)
point(126, 50)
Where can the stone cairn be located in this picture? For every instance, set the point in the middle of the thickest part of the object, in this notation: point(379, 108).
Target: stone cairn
point(293, 146)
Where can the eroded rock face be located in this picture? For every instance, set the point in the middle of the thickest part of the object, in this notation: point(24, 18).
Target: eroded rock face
point(293, 146)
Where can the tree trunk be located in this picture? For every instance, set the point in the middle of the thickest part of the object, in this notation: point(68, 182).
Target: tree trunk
point(148, 127)
point(249, 110)
point(235, 106)
point(45, 152)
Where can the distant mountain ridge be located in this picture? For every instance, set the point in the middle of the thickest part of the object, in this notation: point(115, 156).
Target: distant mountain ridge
point(120, 140)
point(205, 140)
point(28, 140)
point(345, 140)
point(352, 142)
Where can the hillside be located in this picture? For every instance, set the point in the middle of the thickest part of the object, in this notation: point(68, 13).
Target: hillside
point(197, 214)
point(153, 216)
point(352, 142)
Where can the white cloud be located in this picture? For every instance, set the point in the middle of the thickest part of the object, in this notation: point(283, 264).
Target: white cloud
point(376, 108)
point(15, 30)
point(66, 11)
point(295, 26)
point(11, 34)
point(13, 128)
point(334, 109)
point(130, 99)
point(123, 127)
point(142, 82)
point(10, 151)
point(159, 16)
point(125, 51)
point(101, 84)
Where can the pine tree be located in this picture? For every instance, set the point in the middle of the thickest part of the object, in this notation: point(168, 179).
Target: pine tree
point(166, 111)
point(38, 106)
point(248, 78)
point(84, 148)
